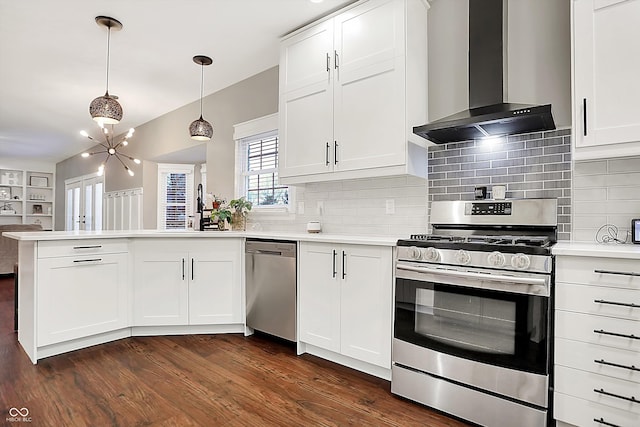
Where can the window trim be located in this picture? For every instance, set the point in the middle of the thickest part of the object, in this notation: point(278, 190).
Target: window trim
point(254, 129)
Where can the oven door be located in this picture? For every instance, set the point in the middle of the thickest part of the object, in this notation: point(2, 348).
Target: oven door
point(492, 316)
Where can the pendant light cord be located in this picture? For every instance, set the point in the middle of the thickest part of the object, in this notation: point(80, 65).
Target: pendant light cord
point(201, 86)
point(108, 54)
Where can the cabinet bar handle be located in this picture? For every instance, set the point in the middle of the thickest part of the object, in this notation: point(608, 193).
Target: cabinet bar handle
point(604, 423)
point(191, 268)
point(335, 59)
point(87, 247)
point(182, 268)
point(584, 116)
point(617, 365)
point(326, 155)
point(334, 263)
point(620, 273)
point(328, 63)
point(88, 260)
point(623, 304)
point(615, 334)
point(344, 264)
point(606, 393)
point(335, 152)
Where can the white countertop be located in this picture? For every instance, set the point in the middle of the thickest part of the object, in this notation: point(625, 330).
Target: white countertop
point(593, 249)
point(114, 234)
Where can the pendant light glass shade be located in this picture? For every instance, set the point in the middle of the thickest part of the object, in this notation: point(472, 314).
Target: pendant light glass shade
point(200, 129)
point(106, 109)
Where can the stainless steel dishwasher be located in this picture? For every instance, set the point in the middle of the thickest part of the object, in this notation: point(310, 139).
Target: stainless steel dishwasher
point(271, 287)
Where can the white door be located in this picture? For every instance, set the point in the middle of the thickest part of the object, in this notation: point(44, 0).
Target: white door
point(366, 305)
point(215, 288)
point(161, 286)
point(83, 203)
point(306, 102)
point(369, 86)
point(319, 290)
point(607, 66)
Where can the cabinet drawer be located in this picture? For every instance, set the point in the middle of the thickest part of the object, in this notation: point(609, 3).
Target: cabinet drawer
point(598, 271)
point(597, 388)
point(580, 412)
point(61, 248)
point(604, 301)
point(599, 359)
point(598, 330)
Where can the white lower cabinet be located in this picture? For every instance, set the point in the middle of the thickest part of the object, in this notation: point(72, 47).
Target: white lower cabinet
point(345, 296)
point(596, 375)
point(187, 282)
point(81, 295)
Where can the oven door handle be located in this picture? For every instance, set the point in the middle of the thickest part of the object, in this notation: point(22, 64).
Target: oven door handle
point(470, 275)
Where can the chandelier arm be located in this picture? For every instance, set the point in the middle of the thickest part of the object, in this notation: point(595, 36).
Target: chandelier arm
point(123, 164)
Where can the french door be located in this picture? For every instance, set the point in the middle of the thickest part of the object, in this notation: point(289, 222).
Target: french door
point(83, 203)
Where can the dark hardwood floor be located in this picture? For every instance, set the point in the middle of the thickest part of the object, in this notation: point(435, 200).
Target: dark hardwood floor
point(197, 380)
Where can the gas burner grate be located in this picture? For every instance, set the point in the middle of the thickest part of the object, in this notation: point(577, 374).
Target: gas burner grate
point(534, 241)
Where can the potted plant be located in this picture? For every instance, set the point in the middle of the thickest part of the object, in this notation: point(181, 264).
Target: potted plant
point(221, 215)
point(240, 209)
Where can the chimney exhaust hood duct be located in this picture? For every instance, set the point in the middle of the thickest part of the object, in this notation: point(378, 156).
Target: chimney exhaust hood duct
point(488, 115)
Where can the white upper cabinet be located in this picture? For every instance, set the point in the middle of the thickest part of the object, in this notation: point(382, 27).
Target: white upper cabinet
point(606, 47)
point(351, 89)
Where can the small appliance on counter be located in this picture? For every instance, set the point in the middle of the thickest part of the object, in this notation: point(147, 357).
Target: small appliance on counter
point(203, 216)
point(314, 227)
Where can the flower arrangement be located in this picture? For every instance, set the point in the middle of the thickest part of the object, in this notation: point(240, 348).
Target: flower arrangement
point(234, 213)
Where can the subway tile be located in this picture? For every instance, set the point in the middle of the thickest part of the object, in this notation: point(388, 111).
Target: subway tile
point(589, 221)
point(436, 162)
point(557, 184)
point(542, 194)
point(439, 175)
point(527, 153)
point(447, 168)
point(441, 154)
point(590, 168)
point(460, 159)
point(550, 167)
point(589, 181)
point(507, 163)
point(504, 179)
point(631, 164)
point(460, 189)
point(525, 169)
point(460, 174)
point(475, 166)
point(622, 179)
point(475, 181)
point(525, 137)
point(557, 149)
point(589, 194)
point(536, 185)
point(515, 194)
point(437, 197)
point(491, 172)
point(436, 147)
point(453, 146)
point(553, 158)
point(482, 157)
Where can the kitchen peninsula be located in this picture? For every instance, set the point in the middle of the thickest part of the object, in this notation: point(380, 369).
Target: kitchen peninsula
point(78, 289)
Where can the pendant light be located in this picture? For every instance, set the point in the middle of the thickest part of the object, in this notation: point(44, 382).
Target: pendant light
point(201, 130)
point(105, 108)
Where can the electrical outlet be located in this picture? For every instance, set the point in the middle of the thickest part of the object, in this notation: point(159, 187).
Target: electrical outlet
point(301, 208)
point(390, 206)
point(320, 207)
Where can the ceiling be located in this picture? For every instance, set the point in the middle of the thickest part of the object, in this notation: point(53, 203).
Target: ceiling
point(53, 61)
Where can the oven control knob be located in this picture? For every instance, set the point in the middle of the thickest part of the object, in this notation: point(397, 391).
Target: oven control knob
point(432, 254)
point(520, 261)
point(463, 257)
point(496, 259)
point(414, 253)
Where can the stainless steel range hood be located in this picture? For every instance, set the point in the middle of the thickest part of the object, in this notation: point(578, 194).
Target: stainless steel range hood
point(488, 115)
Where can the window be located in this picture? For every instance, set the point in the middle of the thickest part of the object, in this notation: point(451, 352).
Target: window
point(257, 164)
point(175, 196)
point(261, 186)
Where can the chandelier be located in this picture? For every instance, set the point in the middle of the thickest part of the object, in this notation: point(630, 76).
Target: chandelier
point(105, 108)
point(111, 148)
point(200, 129)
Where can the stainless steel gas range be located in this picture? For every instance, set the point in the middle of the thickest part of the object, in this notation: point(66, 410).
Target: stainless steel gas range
point(473, 313)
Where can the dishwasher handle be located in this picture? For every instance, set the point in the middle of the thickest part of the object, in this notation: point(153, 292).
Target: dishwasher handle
point(264, 252)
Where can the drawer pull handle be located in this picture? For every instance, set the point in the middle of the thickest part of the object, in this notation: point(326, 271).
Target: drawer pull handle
point(88, 247)
point(620, 273)
point(617, 396)
point(615, 334)
point(88, 260)
point(604, 423)
point(604, 362)
point(623, 304)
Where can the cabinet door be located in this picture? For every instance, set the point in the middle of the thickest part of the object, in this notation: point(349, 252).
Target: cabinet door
point(161, 287)
point(369, 86)
point(215, 287)
point(607, 65)
point(319, 290)
point(306, 102)
point(366, 305)
point(84, 296)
